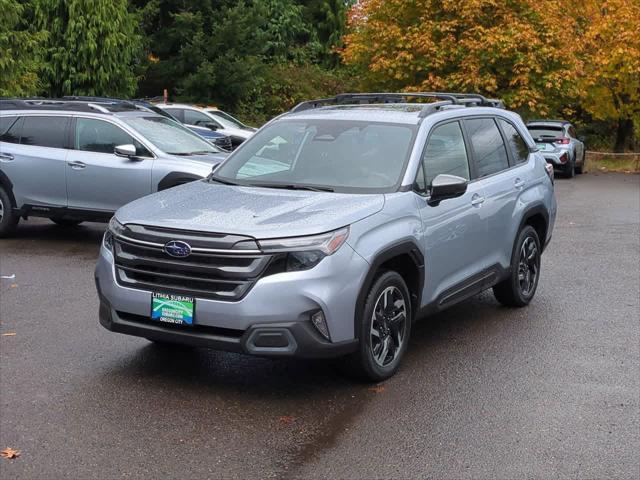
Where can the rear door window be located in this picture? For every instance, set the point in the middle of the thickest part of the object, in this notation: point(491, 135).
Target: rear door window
point(6, 122)
point(519, 148)
point(490, 153)
point(45, 131)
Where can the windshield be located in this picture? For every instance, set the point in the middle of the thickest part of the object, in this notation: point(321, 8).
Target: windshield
point(346, 156)
point(169, 136)
point(226, 120)
point(545, 131)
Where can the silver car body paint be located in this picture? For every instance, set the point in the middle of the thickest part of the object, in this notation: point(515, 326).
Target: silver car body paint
point(458, 238)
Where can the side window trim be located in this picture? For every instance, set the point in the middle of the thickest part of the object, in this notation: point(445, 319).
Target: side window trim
point(510, 159)
point(472, 171)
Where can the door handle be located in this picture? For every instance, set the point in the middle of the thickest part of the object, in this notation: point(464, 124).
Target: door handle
point(477, 200)
point(518, 183)
point(6, 157)
point(77, 165)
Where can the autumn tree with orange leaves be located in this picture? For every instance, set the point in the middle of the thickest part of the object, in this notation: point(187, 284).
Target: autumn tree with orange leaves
point(542, 57)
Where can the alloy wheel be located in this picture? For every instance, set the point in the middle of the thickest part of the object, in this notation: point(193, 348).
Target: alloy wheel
point(1, 210)
point(528, 266)
point(388, 326)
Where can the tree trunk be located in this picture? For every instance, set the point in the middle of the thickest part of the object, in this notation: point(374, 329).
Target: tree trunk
point(624, 135)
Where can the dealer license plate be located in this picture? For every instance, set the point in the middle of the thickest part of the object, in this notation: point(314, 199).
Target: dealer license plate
point(170, 308)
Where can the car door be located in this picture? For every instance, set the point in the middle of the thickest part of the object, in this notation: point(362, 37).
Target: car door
point(455, 230)
point(99, 180)
point(33, 151)
point(503, 181)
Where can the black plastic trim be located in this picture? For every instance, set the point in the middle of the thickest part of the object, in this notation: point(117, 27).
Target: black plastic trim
point(402, 248)
point(49, 211)
point(304, 341)
point(174, 179)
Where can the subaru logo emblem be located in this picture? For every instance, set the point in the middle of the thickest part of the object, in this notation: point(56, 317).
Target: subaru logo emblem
point(176, 248)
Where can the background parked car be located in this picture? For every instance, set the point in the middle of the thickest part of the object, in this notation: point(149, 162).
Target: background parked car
point(559, 144)
point(203, 117)
point(76, 160)
point(219, 139)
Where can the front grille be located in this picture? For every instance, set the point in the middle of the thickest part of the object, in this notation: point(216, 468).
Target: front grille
point(213, 270)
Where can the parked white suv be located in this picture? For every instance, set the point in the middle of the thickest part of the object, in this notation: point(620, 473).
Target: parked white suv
point(209, 117)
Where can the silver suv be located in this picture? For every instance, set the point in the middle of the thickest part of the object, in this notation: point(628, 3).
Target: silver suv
point(76, 160)
point(333, 228)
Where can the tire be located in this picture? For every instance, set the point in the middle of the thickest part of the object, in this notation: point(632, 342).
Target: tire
point(580, 168)
point(570, 169)
point(65, 222)
point(371, 361)
point(525, 271)
point(8, 218)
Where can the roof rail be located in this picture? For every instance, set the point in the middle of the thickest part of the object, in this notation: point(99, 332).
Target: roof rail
point(76, 104)
point(445, 98)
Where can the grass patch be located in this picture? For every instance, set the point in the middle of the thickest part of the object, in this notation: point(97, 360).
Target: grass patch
point(612, 163)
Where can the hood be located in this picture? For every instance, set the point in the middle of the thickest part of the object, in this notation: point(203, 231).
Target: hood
point(251, 211)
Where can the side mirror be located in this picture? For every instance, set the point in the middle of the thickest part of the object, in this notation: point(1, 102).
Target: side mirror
point(127, 151)
point(446, 186)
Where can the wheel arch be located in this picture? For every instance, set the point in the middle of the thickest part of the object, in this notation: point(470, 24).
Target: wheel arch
point(6, 184)
point(407, 260)
point(537, 217)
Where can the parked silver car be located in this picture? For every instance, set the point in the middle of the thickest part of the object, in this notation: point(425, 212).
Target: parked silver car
point(75, 160)
point(559, 144)
point(333, 228)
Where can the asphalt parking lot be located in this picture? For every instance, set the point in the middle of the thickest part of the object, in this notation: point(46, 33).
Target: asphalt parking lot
point(549, 391)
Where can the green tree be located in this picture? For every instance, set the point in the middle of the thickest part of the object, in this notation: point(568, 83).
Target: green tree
point(92, 47)
point(19, 51)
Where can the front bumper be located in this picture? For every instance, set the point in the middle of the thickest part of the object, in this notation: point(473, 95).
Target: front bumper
point(273, 319)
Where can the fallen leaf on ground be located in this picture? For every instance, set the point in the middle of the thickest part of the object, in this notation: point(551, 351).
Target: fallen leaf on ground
point(377, 389)
point(10, 453)
point(14, 285)
point(287, 419)
point(9, 334)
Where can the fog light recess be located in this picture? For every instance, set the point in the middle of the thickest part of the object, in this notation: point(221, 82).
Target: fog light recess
point(320, 323)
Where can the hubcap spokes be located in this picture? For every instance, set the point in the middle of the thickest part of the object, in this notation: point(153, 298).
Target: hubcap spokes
point(528, 266)
point(388, 325)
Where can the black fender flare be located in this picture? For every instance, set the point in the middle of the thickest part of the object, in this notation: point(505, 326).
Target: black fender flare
point(406, 247)
point(177, 178)
point(8, 187)
point(537, 209)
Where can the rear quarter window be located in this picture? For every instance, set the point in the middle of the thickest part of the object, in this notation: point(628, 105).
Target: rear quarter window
point(516, 143)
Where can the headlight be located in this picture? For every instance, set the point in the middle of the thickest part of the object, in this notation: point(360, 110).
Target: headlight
point(326, 243)
point(115, 228)
point(304, 253)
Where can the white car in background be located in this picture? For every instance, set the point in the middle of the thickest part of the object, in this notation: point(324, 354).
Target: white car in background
point(212, 118)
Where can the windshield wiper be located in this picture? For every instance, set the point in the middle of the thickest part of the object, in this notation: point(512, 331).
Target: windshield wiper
point(186, 154)
point(294, 186)
point(224, 182)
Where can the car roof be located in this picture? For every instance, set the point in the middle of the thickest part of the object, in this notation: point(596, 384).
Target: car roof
point(400, 113)
point(548, 122)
